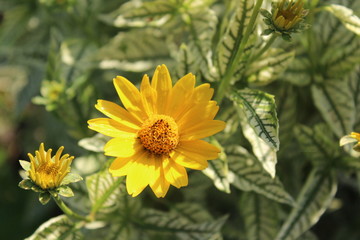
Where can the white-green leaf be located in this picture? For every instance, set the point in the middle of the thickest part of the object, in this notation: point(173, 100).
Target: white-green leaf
point(346, 16)
point(297, 71)
point(269, 67)
point(181, 227)
point(230, 42)
point(104, 191)
point(317, 143)
point(260, 111)
point(260, 216)
point(247, 174)
point(335, 102)
point(312, 202)
point(218, 172)
point(95, 143)
point(57, 228)
point(353, 81)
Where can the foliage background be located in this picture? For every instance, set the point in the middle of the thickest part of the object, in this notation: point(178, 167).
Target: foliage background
point(58, 57)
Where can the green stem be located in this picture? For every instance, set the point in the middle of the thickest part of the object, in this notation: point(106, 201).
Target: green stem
point(266, 47)
point(67, 210)
point(224, 84)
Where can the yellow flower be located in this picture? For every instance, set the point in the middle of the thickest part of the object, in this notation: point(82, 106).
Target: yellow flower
point(48, 172)
point(286, 16)
point(353, 137)
point(159, 131)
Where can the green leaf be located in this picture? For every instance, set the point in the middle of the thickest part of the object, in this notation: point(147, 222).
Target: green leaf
point(335, 102)
point(346, 16)
point(179, 226)
point(44, 197)
point(230, 41)
point(57, 228)
point(269, 67)
point(217, 171)
point(312, 202)
point(297, 73)
point(25, 165)
point(104, 191)
point(317, 144)
point(147, 9)
point(260, 216)
point(71, 178)
point(65, 191)
point(26, 184)
point(247, 174)
point(353, 80)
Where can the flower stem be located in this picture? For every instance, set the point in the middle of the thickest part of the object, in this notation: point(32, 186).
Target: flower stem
point(266, 47)
point(66, 209)
point(224, 84)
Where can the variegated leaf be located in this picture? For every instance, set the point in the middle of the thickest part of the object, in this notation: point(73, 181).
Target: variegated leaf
point(353, 80)
point(104, 191)
point(247, 174)
point(57, 228)
point(217, 171)
point(346, 16)
point(335, 102)
point(180, 227)
point(317, 143)
point(260, 217)
point(312, 202)
point(260, 111)
point(269, 66)
point(233, 36)
point(297, 71)
point(95, 143)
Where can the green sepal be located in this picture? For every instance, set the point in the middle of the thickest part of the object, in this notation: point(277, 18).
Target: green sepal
point(71, 178)
point(44, 197)
point(267, 32)
point(65, 191)
point(265, 13)
point(26, 184)
point(36, 188)
point(25, 165)
point(268, 22)
point(286, 37)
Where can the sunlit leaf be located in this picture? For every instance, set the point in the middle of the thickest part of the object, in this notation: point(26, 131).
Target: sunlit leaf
point(247, 174)
point(57, 228)
point(346, 16)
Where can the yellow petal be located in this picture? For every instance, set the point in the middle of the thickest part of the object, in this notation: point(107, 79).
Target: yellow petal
point(130, 97)
point(175, 174)
point(117, 113)
point(148, 95)
point(181, 93)
point(161, 82)
point(111, 128)
point(194, 154)
point(197, 114)
point(122, 147)
point(139, 175)
point(158, 183)
point(201, 130)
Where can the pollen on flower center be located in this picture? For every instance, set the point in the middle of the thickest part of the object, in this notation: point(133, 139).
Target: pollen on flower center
point(159, 134)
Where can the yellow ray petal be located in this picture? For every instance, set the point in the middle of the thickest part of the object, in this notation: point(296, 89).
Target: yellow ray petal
point(158, 183)
point(130, 97)
point(182, 92)
point(197, 114)
point(122, 147)
point(117, 113)
point(175, 174)
point(201, 130)
point(148, 95)
point(139, 175)
point(111, 128)
point(161, 82)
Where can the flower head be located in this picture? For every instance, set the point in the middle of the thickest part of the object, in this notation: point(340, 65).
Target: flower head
point(158, 133)
point(352, 137)
point(48, 174)
point(285, 18)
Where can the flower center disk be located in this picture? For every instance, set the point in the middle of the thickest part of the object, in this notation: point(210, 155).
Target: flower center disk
point(159, 134)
